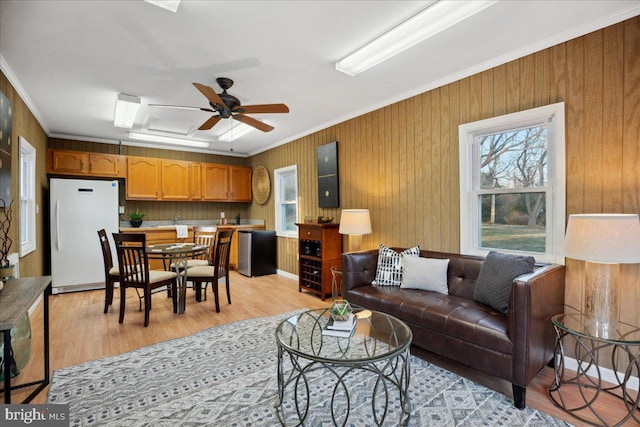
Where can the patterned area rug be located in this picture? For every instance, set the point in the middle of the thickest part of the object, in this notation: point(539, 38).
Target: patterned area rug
point(226, 376)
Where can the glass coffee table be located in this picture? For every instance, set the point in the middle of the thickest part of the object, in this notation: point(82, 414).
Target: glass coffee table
point(365, 373)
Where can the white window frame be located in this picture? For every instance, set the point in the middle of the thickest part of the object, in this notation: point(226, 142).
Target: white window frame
point(278, 176)
point(470, 214)
point(27, 192)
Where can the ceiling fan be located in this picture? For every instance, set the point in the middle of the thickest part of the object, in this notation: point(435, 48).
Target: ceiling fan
point(225, 106)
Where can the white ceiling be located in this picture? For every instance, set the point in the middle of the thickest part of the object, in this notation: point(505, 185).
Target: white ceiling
point(70, 59)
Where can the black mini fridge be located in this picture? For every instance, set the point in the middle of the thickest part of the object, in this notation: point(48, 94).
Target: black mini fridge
point(257, 252)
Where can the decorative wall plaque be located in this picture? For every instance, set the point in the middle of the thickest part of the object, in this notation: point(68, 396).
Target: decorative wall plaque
point(328, 185)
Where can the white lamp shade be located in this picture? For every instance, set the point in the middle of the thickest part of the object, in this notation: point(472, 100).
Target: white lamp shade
point(604, 238)
point(355, 221)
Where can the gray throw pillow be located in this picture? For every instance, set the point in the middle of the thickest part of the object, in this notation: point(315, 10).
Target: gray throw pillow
point(496, 277)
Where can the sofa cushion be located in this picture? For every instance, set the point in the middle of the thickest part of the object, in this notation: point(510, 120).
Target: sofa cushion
point(389, 269)
point(496, 277)
point(428, 274)
point(455, 317)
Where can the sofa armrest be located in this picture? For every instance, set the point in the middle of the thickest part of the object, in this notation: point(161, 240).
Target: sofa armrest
point(535, 298)
point(358, 269)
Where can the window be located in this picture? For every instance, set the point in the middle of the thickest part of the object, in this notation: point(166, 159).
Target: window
point(512, 184)
point(286, 197)
point(27, 197)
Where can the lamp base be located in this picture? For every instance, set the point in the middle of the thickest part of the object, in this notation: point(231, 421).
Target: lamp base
point(601, 300)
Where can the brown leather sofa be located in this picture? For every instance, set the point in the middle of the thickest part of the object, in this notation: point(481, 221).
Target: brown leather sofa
point(513, 347)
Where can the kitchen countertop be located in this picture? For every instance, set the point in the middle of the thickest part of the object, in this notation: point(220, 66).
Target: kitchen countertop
point(168, 225)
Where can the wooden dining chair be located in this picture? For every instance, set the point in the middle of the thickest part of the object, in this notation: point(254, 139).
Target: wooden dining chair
point(134, 270)
point(213, 273)
point(202, 235)
point(111, 272)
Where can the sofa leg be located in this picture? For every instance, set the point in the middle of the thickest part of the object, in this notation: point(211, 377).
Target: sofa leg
point(519, 396)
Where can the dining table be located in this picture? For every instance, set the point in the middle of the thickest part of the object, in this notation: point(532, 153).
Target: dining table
point(177, 255)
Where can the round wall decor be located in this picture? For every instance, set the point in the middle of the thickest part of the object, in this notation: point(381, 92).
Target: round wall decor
point(261, 185)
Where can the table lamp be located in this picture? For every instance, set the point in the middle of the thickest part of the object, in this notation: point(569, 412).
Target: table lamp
point(604, 241)
point(355, 223)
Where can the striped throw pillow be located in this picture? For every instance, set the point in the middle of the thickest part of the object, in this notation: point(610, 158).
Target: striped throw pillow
point(389, 270)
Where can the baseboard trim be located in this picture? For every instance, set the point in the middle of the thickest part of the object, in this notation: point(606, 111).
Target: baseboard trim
point(606, 374)
point(287, 274)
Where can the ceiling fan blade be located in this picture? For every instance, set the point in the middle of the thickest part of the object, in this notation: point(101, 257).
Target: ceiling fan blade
point(253, 122)
point(182, 107)
point(211, 94)
point(263, 108)
point(210, 123)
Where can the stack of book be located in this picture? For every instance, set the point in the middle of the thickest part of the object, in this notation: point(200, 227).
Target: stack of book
point(340, 328)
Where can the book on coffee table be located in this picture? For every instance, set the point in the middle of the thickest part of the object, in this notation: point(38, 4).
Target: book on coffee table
point(342, 325)
point(344, 333)
point(340, 328)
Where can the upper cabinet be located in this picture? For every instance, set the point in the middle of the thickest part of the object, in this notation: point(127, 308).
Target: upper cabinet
point(143, 178)
point(224, 183)
point(240, 184)
point(175, 180)
point(97, 165)
point(215, 182)
point(148, 178)
point(195, 180)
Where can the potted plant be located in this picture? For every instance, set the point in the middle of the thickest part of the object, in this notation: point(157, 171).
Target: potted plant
point(135, 218)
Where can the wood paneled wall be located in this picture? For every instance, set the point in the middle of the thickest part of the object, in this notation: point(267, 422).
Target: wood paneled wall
point(26, 125)
point(163, 211)
point(401, 161)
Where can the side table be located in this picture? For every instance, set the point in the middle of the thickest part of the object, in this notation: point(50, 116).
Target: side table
point(577, 392)
point(16, 298)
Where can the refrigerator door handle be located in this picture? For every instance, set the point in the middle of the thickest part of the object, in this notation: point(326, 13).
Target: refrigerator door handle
point(57, 214)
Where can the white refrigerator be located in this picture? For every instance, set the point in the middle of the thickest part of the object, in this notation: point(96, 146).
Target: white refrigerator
point(79, 208)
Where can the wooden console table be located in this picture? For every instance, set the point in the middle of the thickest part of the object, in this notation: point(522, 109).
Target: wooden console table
point(16, 298)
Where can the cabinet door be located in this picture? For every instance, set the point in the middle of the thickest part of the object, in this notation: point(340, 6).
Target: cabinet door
point(214, 182)
point(196, 181)
point(143, 178)
point(69, 162)
point(240, 184)
point(175, 180)
point(104, 165)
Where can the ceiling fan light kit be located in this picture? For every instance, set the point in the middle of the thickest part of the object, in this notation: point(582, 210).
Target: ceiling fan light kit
point(126, 110)
point(167, 139)
point(436, 17)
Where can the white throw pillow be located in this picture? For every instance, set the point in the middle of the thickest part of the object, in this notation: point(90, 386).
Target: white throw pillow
point(428, 274)
point(389, 269)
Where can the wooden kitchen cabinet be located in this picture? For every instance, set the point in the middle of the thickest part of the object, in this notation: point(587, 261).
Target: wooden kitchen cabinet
point(143, 178)
point(240, 184)
point(156, 179)
point(195, 180)
point(225, 183)
point(78, 163)
point(215, 182)
point(175, 180)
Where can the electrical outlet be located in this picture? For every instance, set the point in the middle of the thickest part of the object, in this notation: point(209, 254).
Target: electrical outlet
point(121, 209)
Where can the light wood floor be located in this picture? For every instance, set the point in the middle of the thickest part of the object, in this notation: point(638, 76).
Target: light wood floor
point(80, 332)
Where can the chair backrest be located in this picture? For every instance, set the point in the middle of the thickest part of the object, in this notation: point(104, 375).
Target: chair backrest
point(222, 252)
point(106, 252)
point(205, 235)
point(132, 258)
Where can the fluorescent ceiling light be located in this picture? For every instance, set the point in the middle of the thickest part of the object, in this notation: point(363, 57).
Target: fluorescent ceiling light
point(167, 139)
point(126, 110)
point(436, 17)
point(170, 5)
point(236, 132)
